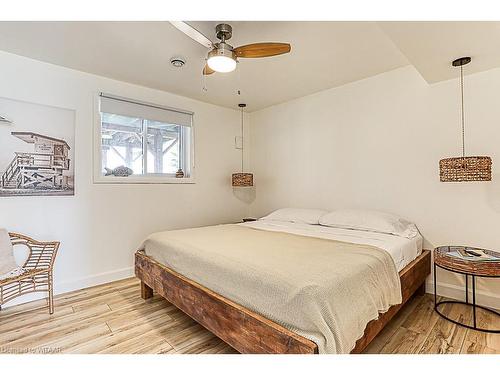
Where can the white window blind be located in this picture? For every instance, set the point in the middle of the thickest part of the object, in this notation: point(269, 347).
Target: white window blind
point(129, 108)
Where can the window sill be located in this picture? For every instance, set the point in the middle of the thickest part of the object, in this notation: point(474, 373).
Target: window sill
point(143, 180)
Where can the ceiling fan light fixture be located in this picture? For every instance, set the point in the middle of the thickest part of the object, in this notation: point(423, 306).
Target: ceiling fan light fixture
point(221, 64)
point(222, 59)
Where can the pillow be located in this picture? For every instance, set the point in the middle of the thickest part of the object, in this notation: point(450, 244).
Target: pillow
point(296, 215)
point(7, 260)
point(372, 221)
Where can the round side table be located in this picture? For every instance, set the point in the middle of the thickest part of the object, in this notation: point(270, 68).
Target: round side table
point(491, 268)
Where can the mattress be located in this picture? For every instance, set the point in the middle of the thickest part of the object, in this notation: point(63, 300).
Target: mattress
point(402, 250)
point(321, 288)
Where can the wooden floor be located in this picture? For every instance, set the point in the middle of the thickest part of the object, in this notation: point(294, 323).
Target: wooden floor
point(112, 318)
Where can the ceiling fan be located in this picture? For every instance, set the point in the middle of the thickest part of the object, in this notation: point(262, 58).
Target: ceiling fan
point(222, 57)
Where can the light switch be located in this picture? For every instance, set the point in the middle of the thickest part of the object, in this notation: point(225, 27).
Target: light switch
point(238, 143)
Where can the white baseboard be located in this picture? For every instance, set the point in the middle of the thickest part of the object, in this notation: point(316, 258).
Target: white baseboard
point(458, 292)
point(93, 280)
point(443, 289)
point(76, 284)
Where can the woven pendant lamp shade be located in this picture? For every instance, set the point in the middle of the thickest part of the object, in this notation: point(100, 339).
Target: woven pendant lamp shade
point(242, 179)
point(464, 168)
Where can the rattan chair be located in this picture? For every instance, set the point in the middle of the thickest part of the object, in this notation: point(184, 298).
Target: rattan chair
point(38, 268)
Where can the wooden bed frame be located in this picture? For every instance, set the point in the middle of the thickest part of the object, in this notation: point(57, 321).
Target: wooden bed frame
point(245, 330)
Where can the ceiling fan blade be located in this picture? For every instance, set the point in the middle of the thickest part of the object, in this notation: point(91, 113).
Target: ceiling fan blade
point(262, 50)
point(194, 34)
point(207, 70)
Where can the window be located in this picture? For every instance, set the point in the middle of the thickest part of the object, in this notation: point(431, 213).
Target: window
point(150, 142)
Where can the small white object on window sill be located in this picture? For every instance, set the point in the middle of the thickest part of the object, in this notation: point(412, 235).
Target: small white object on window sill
point(5, 121)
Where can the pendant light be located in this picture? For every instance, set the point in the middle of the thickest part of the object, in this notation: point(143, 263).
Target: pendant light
point(242, 179)
point(464, 168)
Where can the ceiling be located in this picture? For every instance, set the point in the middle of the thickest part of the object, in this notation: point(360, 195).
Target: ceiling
point(324, 54)
point(431, 46)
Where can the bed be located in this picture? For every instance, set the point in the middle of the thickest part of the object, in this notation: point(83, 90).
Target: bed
point(270, 287)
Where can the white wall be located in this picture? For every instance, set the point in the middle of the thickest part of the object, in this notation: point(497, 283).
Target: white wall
point(102, 225)
point(376, 144)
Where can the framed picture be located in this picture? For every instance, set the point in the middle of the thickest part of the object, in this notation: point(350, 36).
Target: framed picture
point(36, 149)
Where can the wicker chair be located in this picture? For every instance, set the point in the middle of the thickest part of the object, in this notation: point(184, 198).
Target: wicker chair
point(38, 271)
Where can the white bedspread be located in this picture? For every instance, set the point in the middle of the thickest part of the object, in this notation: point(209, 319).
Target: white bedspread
point(323, 289)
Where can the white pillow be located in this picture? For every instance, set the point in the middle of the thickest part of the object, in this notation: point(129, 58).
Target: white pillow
point(372, 221)
point(7, 260)
point(296, 215)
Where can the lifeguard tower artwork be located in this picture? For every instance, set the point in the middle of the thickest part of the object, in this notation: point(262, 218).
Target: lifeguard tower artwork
point(47, 170)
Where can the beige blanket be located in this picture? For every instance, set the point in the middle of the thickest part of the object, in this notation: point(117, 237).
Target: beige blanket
point(326, 291)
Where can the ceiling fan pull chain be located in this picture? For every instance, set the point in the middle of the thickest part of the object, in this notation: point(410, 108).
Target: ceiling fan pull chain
point(238, 72)
point(204, 83)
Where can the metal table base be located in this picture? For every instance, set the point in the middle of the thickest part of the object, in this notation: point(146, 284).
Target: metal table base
point(467, 303)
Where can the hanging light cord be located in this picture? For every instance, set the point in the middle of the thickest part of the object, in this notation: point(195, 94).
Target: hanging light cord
point(242, 142)
point(463, 119)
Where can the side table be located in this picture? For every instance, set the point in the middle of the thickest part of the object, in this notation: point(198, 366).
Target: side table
point(444, 259)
